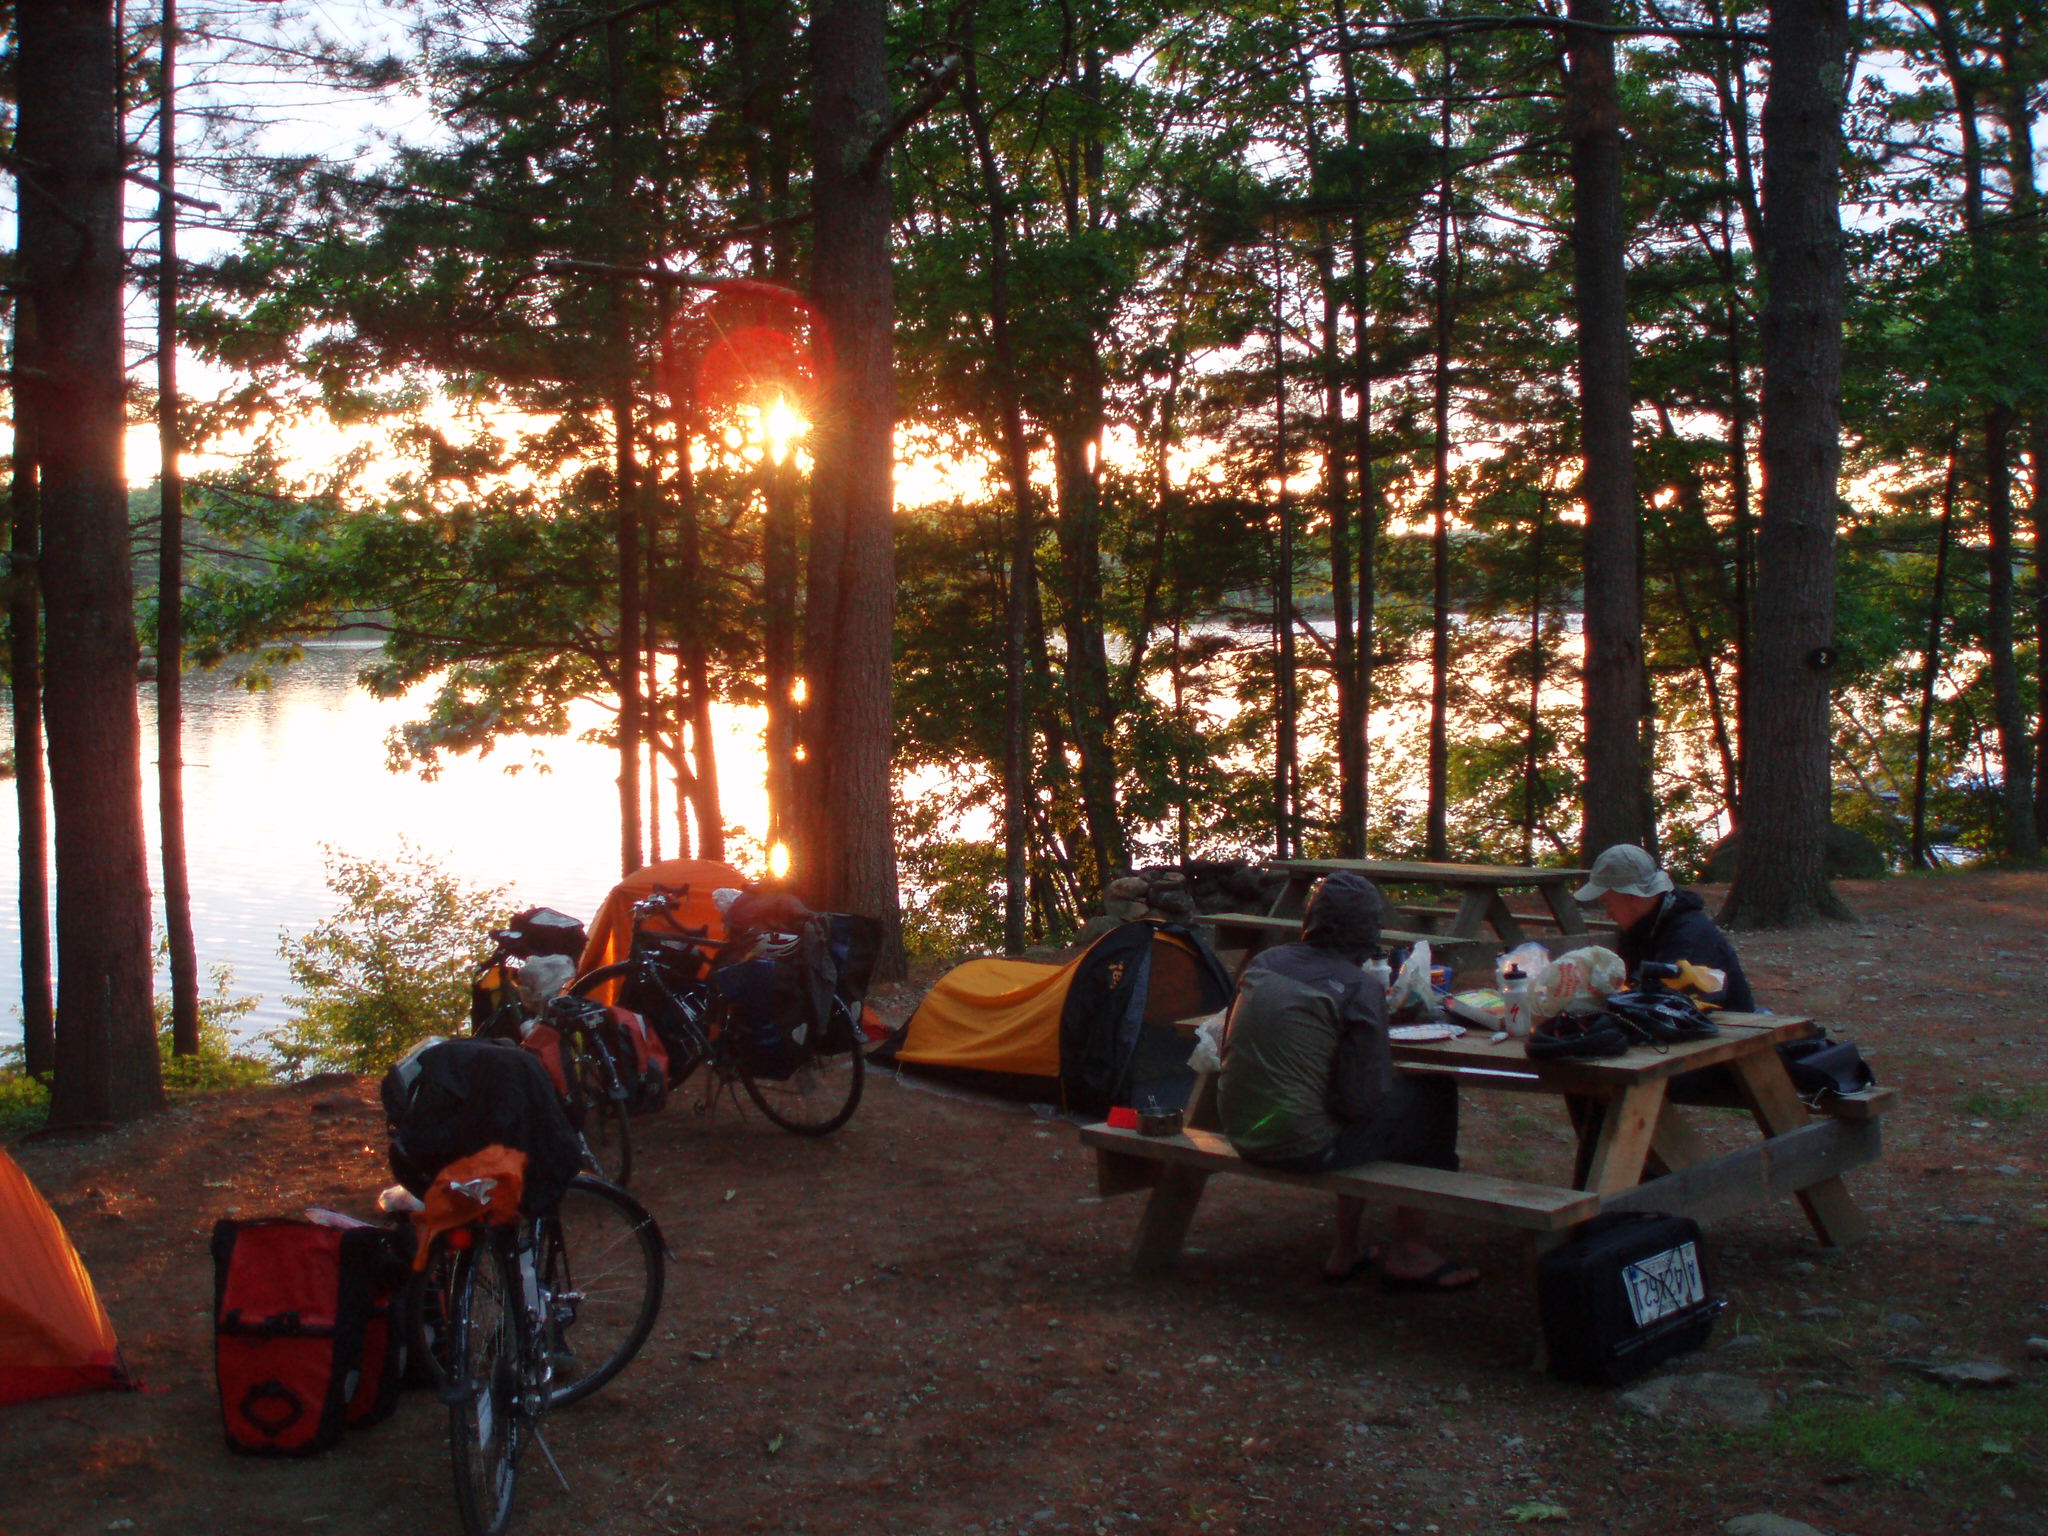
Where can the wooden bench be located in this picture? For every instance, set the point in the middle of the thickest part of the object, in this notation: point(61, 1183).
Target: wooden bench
point(1256, 931)
point(1176, 1169)
point(1433, 912)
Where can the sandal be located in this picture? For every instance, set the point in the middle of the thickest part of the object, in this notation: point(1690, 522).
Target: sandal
point(1366, 1263)
point(1442, 1278)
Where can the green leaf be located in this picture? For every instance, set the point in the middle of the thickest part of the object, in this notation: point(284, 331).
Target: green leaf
point(1537, 1510)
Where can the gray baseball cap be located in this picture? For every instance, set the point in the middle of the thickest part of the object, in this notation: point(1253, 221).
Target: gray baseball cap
point(1627, 869)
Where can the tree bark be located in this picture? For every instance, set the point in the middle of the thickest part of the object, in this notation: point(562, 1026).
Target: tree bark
point(70, 181)
point(1090, 706)
point(625, 473)
point(170, 611)
point(1920, 853)
point(25, 678)
point(1614, 677)
point(1436, 814)
point(1286, 838)
point(1782, 877)
point(852, 485)
point(1023, 572)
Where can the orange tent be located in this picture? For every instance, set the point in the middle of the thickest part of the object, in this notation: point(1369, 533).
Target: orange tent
point(611, 931)
point(54, 1334)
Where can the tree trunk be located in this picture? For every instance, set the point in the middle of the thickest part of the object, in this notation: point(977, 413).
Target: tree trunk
point(1358, 789)
point(1286, 838)
point(170, 621)
point(855, 455)
point(1088, 693)
point(1614, 678)
point(1782, 877)
point(70, 199)
point(625, 474)
point(1921, 855)
point(1337, 505)
point(1532, 763)
point(1023, 571)
point(1437, 816)
point(25, 677)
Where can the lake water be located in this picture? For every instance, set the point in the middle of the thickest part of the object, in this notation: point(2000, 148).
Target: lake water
point(271, 776)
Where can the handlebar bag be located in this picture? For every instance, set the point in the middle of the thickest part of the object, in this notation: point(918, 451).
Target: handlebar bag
point(544, 931)
point(304, 1332)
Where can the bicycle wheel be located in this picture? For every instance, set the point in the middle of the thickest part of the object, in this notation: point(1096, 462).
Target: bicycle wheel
point(602, 1266)
point(607, 1143)
point(684, 1054)
point(429, 1309)
point(486, 1426)
point(814, 1100)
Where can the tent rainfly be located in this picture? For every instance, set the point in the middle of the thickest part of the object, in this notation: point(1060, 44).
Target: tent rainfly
point(54, 1334)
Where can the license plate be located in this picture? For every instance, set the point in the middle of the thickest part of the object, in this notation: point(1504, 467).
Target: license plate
point(1664, 1283)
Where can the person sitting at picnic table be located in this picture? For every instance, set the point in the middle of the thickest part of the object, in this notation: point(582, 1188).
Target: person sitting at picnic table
point(1660, 923)
point(1308, 1082)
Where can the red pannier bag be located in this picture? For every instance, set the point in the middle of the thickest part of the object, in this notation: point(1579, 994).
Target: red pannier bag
point(641, 1058)
point(306, 1337)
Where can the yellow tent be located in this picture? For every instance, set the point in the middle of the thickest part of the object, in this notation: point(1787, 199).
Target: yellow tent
point(54, 1334)
point(1096, 1031)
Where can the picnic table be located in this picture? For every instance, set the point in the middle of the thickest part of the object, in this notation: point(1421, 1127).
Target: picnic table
point(1479, 888)
point(1646, 1156)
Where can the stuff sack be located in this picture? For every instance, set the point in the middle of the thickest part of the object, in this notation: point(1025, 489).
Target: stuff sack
point(1626, 1294)
point(305, 1335)
point(780, 989)
point(544, 931)
point(449, 1099)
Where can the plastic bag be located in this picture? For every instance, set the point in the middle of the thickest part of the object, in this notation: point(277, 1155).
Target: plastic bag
point(1577, 982)
point(1412, 997)
point(1207, 1055)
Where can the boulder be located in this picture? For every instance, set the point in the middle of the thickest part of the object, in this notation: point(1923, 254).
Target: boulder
point(1850, 855)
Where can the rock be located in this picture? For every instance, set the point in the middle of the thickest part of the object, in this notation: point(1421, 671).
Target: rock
point(1850, 856)
point(2007, 1170)
point(1971, 1219)
point(1800, 1269)
point(1820, 1314)
point(1710, 1395)
point(2037, 1348)
point(1770, 1525)
point(1902, 1322)
point(1742, 1342)
point(1971, 1373)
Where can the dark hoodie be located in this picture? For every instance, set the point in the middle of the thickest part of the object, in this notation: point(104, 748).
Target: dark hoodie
point(1282, 1095)
point(1681, 930)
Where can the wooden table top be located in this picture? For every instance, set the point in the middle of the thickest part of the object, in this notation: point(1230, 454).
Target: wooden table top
point(1400, 871)
point(1741, 1034)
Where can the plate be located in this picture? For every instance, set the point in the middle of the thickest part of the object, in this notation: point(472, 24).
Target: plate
point(1416, 1032)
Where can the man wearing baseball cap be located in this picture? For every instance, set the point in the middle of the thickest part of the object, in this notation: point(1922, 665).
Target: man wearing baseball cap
point(1657, 922)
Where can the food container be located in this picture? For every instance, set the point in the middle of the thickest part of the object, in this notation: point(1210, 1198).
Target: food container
point(1159, 1122)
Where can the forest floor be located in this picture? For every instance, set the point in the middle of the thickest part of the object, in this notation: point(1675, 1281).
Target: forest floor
point(924, 1325)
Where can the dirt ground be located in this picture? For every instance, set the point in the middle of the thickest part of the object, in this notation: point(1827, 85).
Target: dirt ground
point(924, 1324)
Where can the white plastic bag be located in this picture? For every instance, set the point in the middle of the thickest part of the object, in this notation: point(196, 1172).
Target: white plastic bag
point(1577, 982)
point(1412, 997)
point(1207, 1055)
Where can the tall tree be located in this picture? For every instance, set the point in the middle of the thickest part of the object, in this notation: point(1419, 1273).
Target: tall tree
point(69, 172)
point(1782, 877)
point(1616, 792)
point(25, 688)
point(170, 606)
point(852, 593)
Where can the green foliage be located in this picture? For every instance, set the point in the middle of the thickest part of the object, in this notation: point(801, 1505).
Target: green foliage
point(954, 900)
point(390, 967)
point(1923, 1435)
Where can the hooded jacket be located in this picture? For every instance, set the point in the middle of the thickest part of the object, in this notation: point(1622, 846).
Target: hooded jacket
point(1679, 929)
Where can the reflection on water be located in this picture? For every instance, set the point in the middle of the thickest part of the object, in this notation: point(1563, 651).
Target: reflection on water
point(270, 777)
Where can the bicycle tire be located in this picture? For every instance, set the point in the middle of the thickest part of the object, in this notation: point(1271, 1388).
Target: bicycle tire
point(817, 1098)
point(607, 1142)
point(681, 1062)
point(604, 1266)
point(429, 1307)
point(486, 1426)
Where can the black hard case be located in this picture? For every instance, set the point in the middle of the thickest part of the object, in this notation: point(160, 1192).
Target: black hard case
point(1629, 1291)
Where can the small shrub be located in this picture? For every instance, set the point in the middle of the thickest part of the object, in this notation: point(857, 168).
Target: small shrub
point(390, 967)
point(218, 1064)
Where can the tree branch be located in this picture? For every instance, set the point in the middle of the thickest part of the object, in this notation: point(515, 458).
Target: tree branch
point(940, 87)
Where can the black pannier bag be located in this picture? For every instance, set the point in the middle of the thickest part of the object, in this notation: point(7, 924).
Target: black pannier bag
point(1820, 1067)
point(306, 1341)
point(544, 931)
point(1627, 1293)
point(779, 992)
point(449, 1099)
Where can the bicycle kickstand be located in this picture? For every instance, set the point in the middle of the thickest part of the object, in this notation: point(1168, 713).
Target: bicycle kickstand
point(553, 1465)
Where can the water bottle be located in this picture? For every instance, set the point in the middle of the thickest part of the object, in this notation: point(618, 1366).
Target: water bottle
point(1514, 987)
